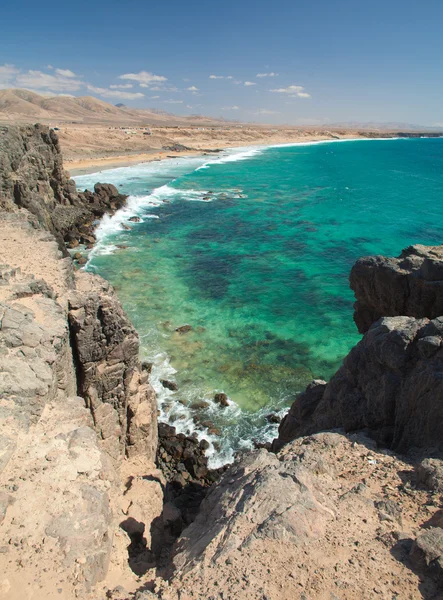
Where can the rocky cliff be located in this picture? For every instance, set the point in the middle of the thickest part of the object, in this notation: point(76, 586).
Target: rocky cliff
point(331, 515)
point(328, 515)
point(32, 177)
point(76, 407)
point(390, 383)
point(410, 285)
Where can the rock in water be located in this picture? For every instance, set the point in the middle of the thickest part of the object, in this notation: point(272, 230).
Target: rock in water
point(222, 399)
point(170, 385)
point(183, 329)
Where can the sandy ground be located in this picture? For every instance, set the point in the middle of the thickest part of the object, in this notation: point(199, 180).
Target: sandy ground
point(90, 148)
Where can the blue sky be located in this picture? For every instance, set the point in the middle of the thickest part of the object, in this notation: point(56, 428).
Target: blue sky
point(331, 60)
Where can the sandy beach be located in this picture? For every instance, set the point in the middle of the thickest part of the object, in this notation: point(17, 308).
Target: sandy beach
point(89, 149)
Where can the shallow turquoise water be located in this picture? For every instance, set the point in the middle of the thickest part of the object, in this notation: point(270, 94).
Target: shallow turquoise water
point(254, 251)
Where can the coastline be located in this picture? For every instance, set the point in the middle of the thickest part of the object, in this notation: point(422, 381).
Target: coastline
point(86, 166)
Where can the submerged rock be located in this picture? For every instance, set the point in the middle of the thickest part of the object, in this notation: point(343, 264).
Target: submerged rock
point(183, 329)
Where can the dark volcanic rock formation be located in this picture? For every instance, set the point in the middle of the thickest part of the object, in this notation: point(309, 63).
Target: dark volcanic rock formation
point(32, 177)
point(391, 383)
point(410, 285)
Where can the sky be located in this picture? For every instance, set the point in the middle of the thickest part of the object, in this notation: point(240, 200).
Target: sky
point(281, 61)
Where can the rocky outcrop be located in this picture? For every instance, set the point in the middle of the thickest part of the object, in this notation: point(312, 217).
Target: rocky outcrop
point(109, 373)
point(410, 285)
point(50, 460)
point(390, 384)
point(32, 177)
point(65, 335)
point(329, 517)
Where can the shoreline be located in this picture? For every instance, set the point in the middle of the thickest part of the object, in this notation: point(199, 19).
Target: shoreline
point(87, 166)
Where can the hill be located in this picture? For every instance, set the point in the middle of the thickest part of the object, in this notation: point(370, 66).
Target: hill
point(23, 106)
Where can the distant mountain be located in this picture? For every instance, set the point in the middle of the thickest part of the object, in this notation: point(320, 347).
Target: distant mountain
point(389, 126)
point(23, 106)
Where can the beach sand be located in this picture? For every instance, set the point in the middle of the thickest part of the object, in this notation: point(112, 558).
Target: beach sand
point(87, 149)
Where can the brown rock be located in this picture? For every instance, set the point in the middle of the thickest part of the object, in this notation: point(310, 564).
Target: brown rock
point(170, 385)
point(221, 398)
point(183, 329)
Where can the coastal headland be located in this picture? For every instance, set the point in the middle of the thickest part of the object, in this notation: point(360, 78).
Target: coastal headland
point(98, 501)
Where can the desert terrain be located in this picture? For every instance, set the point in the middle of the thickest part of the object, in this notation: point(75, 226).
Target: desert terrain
point(96, 135)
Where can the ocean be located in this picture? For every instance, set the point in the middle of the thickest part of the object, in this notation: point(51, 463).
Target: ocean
point(252, 248)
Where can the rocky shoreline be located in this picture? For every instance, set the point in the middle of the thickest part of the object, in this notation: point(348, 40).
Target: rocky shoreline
point(99, 500)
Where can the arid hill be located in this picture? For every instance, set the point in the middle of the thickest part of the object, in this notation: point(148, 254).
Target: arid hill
point(23, 106)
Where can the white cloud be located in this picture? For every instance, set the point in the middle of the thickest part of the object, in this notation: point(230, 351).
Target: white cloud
point(173, 101)
point(192, 89)
point(123, 86)
point(7, 75)
point(49, 67)
point(153, 97)
point(144, 77)
point(106, 93)
point(291, 89)
point(303, 95)
point(265, 111)
point(267, 75)
point(230, 108)
point(39, 80)
point(159, 88)
point(220, 77)
point(248, 83)
point(65, 73)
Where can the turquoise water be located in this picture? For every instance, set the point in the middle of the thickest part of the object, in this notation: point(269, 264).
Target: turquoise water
point(253, 250)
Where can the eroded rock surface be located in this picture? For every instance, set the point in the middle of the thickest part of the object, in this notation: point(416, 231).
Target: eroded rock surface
point(32, 177)
point(110, 375)
point(329, 517)
point(410, 285)
point(391, 384)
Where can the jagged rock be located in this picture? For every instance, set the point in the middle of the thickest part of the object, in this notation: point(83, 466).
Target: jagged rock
point(386, 385)
point(111, 378)
point(410, 285)
point(430, 474)
point(305, 513)
point(32, 177)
